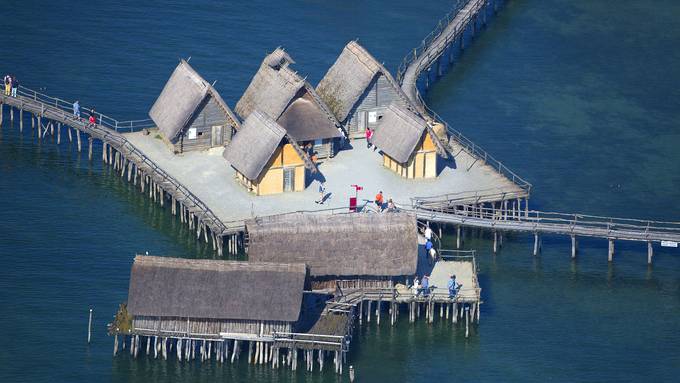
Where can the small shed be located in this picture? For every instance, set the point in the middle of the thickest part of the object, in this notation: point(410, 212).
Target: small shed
point(208, 299)
point(190, 113)
point(267, 160)
point(290, 100)
point(408, 143)
point(354, 250)
point(358, 89)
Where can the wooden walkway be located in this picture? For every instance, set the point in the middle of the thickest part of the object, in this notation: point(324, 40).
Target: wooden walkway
point(500, 218)
point(431, 57)
point(51, 116)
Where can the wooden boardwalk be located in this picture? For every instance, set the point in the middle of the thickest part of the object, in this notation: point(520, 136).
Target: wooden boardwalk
point(429, 60)
point(499, 218)
point(51, 116)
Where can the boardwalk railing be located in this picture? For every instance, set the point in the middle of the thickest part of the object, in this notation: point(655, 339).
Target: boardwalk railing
point(555, 223)
point(429, 39)
point(423, 56)
point(102, 119)
point(53, 110)
point(464, 198)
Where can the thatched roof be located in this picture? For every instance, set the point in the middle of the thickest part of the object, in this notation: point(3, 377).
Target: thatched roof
point(254, 144)
point(399, 132)
point(348, 78)
point(283, 95)
point(304, 120)
point(201, 288)
point(338, 245)
point(181, 97)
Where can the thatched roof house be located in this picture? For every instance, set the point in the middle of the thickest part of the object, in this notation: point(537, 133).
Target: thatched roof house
point(408, 143)
point(357, 88)
point(289, 99)
point(191, 114)
point(209, 297)
point(267, 160)
point(369, 247)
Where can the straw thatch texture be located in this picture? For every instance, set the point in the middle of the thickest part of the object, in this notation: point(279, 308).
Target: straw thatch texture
point(305, 121)
point(180, 99)
point(338, 245)
point(254, 144)
point(348, 78)
point(197, 288)
point(399, 132)
point(272, 88)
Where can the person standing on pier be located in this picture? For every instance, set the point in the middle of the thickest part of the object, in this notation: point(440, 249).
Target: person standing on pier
point(76, 109)
point(453, 286)
point(93, 119)
point(425, 285)
point(416, 286)
point(369, 137)
point(8, 84)
point(428, 233)
point(322, 193)
point(15, 86)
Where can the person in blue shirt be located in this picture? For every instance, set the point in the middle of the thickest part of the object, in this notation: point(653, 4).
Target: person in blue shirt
point(425, 285)
point(453, 286)
point(76, 109)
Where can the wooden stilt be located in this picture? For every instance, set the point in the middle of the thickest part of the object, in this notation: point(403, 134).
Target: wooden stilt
point(21, 120)
point(573, 246)
point(650, 252)
point(458, 236)
point(115, 344)
point(495, 242)
point(79, 143)
point(536, 244)
point(611, 250)
point(89, 148)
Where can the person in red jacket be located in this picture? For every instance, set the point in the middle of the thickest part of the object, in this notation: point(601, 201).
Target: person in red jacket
point(369, 136)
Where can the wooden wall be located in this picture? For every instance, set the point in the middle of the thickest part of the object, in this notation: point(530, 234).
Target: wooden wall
point(422, 164)
point(271, 182)
point(377, 97)
point(201, 326)
point(208, 114)
point(328, 148)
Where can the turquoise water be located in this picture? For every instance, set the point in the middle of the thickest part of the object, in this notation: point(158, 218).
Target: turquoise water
point(579, 97)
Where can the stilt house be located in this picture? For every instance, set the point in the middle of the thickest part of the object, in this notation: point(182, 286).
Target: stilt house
point(190, 114)
point(267, 160)
point(289, 99)
point(208, 299)
point(353, 250)
point(358, 89)
point(409, 145)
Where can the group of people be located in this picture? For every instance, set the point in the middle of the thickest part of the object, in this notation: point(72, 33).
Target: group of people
point(423, 287)
point(92, 120)
point(11, 85)
point(382, 205)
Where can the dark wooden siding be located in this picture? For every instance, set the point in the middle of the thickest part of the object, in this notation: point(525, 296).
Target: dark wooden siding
point(208, 114)
point(378, 95)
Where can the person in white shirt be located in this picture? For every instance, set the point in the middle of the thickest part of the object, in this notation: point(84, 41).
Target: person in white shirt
point(428, 233)
point(416, 286)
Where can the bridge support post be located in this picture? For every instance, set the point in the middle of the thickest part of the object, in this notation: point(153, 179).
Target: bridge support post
point(2, 112)
point(21, 119)
point(458, 237)
point(650, 252)
point(537, 245)
point(89, 148)
point(573, 246)
point(495, 241)
point(79, 143)
point(611, 250)
point(450, 53)
point(11, 114)
point(58, 133)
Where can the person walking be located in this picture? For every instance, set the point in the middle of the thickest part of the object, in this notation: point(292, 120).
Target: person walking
point(15, 86)
point(428, 233)
point(8, 84)
point(369, 138)
point(76, 109)
point(322, 193)
point(416, 286)
point(425, 285)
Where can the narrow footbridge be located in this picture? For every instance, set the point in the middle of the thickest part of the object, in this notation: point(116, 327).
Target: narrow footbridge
point(498, 218)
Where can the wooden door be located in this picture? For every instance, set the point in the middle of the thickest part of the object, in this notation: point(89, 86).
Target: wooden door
point(217, 136)
point(288, 179)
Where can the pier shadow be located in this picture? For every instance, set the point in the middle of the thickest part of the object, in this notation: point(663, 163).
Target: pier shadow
point(313, 304)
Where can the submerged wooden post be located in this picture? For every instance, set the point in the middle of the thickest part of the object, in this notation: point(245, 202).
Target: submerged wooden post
point(611, 250)
point(89, 148)
point(495, 241)
point(21, 119)
point(89, 328)
point(78, 137)
point(573, 246)
point(650, 252)
point(536, 244)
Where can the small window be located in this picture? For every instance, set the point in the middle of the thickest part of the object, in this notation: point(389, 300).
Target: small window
point(372, 117)
point(191, 133)
point(318, 143)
